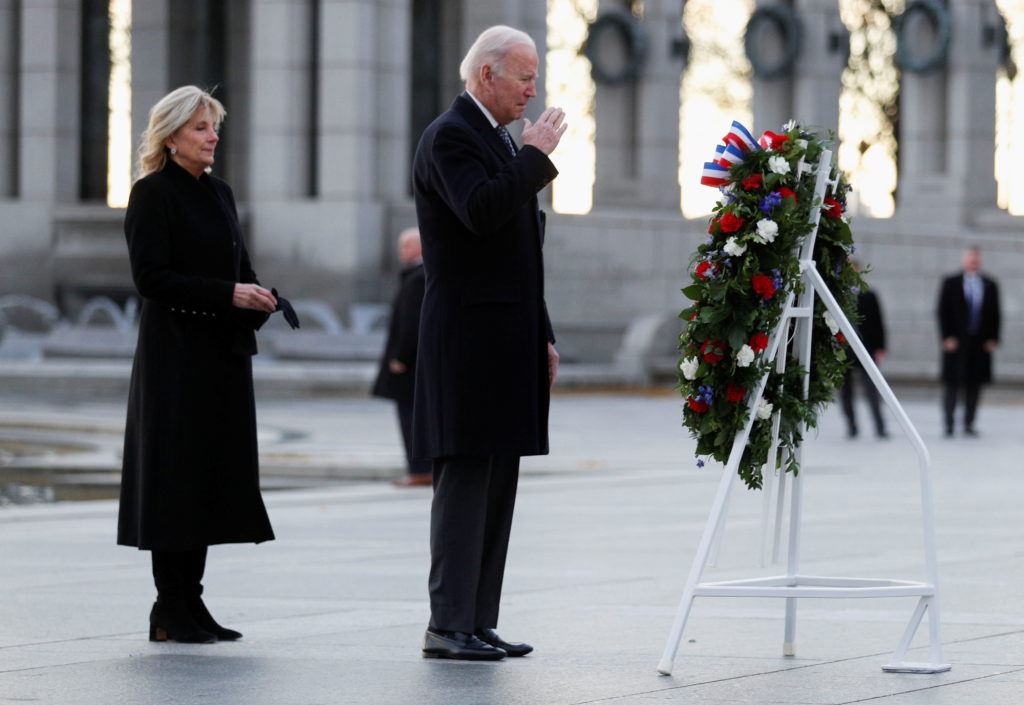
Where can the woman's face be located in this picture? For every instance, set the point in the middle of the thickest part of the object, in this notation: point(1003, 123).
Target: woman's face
point(195, 142)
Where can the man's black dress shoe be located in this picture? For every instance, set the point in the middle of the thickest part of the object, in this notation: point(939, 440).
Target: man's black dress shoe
point(489, 636)
point(458, 645)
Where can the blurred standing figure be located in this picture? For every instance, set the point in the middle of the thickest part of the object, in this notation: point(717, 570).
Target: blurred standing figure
point(872, 333)
point(969, 321)
point(486, 355)
point(190, 476)
point(397, 374)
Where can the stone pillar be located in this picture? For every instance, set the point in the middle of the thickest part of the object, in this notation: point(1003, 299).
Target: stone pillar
point(947, 120)
point(392, 133)
point(150, 56)
point(971, 105)
point(923, 137)
point(331, 228)
point(49, 109)
point(281, 145)
point(10, 66)
point(819, 68)
point(774, 99)
point(637, 123)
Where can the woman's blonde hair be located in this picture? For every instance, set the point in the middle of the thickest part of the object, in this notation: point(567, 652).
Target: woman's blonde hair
point(166, 117)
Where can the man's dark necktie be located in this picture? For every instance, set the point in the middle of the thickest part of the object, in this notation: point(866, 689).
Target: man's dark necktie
point(507, 139)
point(974, 305)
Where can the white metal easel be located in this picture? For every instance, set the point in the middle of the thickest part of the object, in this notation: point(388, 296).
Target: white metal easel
point(794, 585)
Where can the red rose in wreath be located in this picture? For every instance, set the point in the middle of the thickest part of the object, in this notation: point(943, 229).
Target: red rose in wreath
point(735, 392)
point(706, 270)
point(697, 405)
point(712, 351)
point(832, 208)
point(840, 338)
point(763, 285)
point(731, 222)
point(786, 192)
point(758, 342)
point(753, 181)
point(777, 141)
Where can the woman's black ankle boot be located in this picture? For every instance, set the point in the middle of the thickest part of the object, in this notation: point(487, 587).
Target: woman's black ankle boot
point(171, 620)
point(206, 621)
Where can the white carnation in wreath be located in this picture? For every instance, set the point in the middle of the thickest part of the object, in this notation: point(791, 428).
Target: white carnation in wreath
point(734, 248)
point(767, 229)
point(833, 327)
point(744, 356)
point(689, 367)
point(764, 410)
point(779, 165)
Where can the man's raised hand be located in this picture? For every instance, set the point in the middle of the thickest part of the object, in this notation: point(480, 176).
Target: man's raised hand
point(547, 131)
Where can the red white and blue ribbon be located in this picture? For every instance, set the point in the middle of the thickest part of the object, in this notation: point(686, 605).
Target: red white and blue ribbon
point(736, 143)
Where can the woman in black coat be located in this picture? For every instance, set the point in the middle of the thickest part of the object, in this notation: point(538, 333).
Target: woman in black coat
point(190, 476)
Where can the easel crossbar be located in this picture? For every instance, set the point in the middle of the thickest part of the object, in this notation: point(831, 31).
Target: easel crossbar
point(807, 586)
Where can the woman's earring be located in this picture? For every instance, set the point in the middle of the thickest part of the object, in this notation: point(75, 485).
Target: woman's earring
point(174, 150)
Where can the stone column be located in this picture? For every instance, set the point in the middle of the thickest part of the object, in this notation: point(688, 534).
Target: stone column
point(774, 99)
point(281, 154)
point(971, 105)
point(332, 229)
point(637, 123)
point(150, 56)
point(947, 120)
point(819, 68)
point(49, 109)
point(10, 65)
point(924, 135)
point(392, 129)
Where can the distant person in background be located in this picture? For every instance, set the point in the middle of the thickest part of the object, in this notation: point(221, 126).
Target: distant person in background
point(397, 376)
point(190, 475)
point(872, 333)
point(969, 322)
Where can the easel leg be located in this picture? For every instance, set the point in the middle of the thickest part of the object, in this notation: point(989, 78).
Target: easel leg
point(789, 642)
point(711, 529)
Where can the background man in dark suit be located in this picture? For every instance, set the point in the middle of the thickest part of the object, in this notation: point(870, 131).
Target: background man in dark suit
point(969, 323)
point(486, 354)
point(872, 333)
point(398, 364)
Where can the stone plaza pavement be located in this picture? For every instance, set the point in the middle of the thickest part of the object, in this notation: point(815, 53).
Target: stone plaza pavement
point(605, 531)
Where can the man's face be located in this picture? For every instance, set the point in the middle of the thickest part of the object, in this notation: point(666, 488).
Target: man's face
point(507, 94)
point(972, 261)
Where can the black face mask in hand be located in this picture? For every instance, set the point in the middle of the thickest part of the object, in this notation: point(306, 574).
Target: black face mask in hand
point(285, 307)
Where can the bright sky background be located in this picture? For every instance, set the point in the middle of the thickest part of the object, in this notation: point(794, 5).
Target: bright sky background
point(119, 145)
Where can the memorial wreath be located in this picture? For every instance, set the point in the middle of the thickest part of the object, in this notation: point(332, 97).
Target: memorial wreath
point(742, 276)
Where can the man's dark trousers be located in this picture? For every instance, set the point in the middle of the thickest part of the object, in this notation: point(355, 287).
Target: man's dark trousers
point(471, 520)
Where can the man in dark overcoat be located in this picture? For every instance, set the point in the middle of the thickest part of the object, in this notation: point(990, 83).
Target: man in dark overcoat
point(397, 373)
point(969, 321)
point(486, 353)
point(871, 330)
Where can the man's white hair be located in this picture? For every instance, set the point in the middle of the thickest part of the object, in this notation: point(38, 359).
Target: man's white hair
point(490, 48)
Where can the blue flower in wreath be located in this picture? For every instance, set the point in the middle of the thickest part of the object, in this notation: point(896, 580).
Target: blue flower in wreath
point(769, 202)
point(706, 394)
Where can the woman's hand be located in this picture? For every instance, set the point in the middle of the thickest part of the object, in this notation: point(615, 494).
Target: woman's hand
point(255, 297)
point(552, 363)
